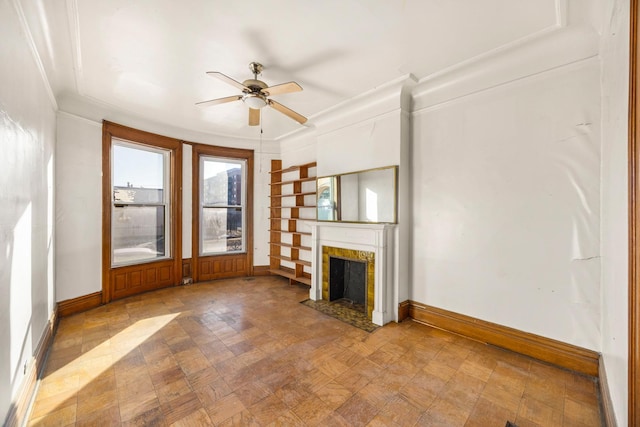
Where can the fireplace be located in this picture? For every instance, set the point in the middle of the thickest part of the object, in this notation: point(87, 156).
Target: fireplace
point(348, 282)
point(335, 262)
point(371, 247)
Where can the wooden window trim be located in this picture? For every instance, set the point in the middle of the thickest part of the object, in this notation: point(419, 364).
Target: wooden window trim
point(112, 130)
point(634, 219)
point(235, 153)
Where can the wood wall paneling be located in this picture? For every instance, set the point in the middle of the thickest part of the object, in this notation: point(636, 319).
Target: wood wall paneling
point(140, 278)
point(186, 268)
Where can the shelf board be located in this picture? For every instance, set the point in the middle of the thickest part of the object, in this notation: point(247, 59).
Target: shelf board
point(285, 218)
point(275, 196)
point(292, 276)
point(303, 233)
point(288, 245)
point(289, 259)
point(295, 207)
point(295, 168)
point(310, 178)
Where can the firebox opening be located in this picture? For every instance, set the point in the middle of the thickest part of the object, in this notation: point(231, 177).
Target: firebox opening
point(348, 283)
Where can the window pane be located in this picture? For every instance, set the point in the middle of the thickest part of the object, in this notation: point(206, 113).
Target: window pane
point(138, 175)
point(221, 230)
point(221, 183)
point(138, 233)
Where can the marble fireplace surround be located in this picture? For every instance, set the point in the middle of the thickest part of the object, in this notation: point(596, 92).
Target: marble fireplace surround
point(375, 238)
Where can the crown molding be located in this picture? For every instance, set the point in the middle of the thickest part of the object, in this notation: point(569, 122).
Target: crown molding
point(76, 48)
point(34, 51)
point(546, 51)
point(391, 96)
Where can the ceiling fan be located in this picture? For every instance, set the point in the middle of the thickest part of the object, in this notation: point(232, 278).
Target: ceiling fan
point(256, 93)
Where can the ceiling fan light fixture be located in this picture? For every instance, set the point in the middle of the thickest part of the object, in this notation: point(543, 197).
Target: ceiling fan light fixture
point(256, 94)
point(255, 100)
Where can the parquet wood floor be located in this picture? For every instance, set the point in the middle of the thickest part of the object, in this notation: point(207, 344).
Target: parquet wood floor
point(245, 352)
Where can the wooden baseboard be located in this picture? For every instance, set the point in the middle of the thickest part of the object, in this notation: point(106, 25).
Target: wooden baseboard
point(403, 310)
point(261, 270)
point(18, 410)
point(546, 349)
point(79, 304)
point(605, 397)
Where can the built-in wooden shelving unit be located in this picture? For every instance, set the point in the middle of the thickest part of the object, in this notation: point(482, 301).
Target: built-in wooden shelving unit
point(293, 200)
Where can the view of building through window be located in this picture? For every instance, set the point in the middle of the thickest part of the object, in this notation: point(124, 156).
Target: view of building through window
point(222, 215)
point(139, 225)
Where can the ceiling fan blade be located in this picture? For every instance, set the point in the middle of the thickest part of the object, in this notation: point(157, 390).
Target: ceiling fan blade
point(227, 80)
point(282, 88)
point(287, 111)
point(254, 117)
point(219, 101)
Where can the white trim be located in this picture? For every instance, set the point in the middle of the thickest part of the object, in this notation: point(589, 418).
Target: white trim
point(34, 52)
point(376, 238)
point(76, 47)
point(83, 119)
point(554, 50)
point(561, 13)
point(560, 68)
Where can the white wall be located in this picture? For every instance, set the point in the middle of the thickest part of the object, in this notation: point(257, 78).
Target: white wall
point(614, 232)
point(27, 141)
point(78, 207)
point(371, 143)
point(506, 201)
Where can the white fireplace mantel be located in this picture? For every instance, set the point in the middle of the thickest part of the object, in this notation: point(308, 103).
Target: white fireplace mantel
point(376, 238)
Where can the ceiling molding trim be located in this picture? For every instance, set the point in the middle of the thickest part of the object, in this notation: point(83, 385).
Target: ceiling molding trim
point(561, 68)
point(76, 48)
point(493, 53)
point(34, 52)
point(93, 109)
point(375, 102)
point(66, 114)
point(547, 52)
point(364, 121)
point(306, 129)
point(300, 142)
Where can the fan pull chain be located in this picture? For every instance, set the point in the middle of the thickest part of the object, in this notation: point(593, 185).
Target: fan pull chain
point(261, 132)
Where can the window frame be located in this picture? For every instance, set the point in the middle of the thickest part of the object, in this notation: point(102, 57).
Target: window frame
point(126, 280)
point(165, 203)
point(202, 158)
point(224, 264)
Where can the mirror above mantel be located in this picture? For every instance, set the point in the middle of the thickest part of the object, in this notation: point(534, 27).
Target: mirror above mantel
point(368, 196)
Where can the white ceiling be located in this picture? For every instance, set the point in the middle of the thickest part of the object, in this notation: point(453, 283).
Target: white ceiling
point(148, 58)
